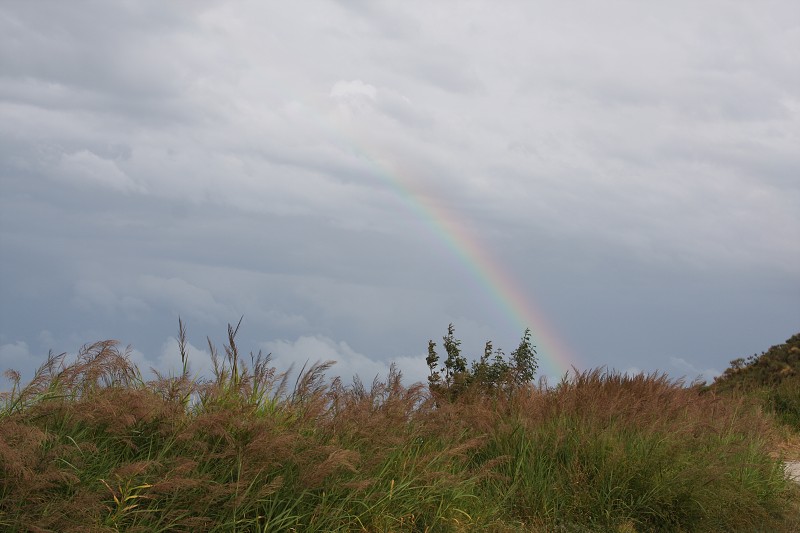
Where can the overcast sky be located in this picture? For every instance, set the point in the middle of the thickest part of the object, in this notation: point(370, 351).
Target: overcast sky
point(632, 168)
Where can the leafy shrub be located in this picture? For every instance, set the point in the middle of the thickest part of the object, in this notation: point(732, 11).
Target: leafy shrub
point(491, 374)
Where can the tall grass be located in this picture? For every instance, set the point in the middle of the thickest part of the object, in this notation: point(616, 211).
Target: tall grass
point(91, 446)
point(781, 399)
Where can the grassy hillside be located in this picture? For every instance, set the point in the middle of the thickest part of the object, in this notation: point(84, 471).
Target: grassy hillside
point(773, 376)
point(90, 446)
point(778, 364)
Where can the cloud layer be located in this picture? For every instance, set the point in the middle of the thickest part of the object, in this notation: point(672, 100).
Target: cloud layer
point(633, 167)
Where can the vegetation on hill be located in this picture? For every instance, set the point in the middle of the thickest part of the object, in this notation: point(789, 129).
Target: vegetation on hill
point(778, 364)
point(91, 446)
point(773, 377)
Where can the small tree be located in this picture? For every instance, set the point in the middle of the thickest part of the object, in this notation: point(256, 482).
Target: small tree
point(523, 360)
point(434, 379)
point(480, 368)
point(455, 366)
point(491, 373)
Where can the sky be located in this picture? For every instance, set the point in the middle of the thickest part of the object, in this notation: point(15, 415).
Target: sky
point(350, 177)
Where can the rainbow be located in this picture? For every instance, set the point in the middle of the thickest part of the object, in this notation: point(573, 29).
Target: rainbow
point(555, 357)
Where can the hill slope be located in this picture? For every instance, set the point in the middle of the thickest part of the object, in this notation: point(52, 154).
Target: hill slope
point(777, 365)
point(773, 376)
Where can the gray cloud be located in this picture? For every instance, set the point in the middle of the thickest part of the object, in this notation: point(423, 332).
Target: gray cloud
point(633, 167)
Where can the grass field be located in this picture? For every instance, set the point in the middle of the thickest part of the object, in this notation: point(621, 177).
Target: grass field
point(91, 446)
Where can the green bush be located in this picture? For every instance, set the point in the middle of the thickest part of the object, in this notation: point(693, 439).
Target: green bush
point(490, 375)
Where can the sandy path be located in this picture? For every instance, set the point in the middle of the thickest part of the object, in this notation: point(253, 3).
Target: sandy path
point(793, 470)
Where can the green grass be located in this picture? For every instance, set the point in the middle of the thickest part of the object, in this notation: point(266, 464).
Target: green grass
point(773, 377)
point(91, 446)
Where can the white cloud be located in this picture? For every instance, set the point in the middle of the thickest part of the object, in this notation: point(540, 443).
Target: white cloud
point(633, 371)
point(414, 369)
point(349, 363)
point(691, 371)
point(86, 167)
point(353, 90)
point(168, 361)
point(199, 359)
point(357, 97)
